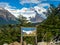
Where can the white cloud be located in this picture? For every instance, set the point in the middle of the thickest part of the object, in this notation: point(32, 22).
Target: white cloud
point(5, 5)
point(29, 1)
point(2, 4)
point(43, 5)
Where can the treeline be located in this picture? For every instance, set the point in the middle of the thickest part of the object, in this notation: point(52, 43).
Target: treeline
point(9, 34)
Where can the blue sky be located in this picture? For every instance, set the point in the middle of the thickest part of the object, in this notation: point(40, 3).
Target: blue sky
point(14, 3)
point(18, 5)
point(28, 28)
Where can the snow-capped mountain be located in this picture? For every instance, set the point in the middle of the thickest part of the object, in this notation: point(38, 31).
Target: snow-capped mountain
point(39, 16)
point(36, 14)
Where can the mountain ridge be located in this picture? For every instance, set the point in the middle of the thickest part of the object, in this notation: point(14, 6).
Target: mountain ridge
point(6, 17)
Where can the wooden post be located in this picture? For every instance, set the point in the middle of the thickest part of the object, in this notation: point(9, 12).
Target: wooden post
point(21, 38)
point(36, 35)
point(36, 39)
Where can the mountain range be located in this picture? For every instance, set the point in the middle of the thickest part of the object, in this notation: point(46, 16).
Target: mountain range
point(29, 33)
point(7, 17)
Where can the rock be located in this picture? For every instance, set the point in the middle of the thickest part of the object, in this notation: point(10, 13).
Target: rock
point(15, 43)
point(42, 43)
point(5, 44)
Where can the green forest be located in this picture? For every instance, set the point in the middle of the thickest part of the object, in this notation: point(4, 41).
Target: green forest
point(46, 30)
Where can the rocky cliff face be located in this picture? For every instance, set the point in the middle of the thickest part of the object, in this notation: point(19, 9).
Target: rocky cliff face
point(37, 18)
point(6, 17)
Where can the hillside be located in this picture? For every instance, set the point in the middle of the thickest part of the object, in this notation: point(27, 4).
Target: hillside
point(6, 17)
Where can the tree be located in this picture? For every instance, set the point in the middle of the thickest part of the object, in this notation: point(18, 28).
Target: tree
point(22, 19)
point(51, 26)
